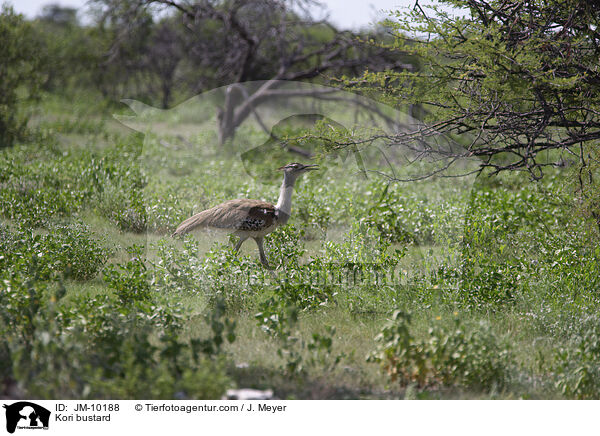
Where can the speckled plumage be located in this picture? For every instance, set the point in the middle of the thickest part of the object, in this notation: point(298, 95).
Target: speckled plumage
point(240, 214)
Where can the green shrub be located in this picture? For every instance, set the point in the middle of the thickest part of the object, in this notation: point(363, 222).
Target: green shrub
point(389, 216)
point(447, 356)
point(118, 185)
point(131, 281)
point(164, 210)
point(569, 266)
point(20, 71)
point(124, 207)
point(222, 329)
point(178, 270)
point(429, 214)
point(313, 211)
point(99, 347)
point(34, 193)
point(96, 349)
point(41, 184)
point(279, 319)
point(69, 251)
point(236, 278)
point(363, 245)
point(481, 282)
point(284, 247)
point(577, 368)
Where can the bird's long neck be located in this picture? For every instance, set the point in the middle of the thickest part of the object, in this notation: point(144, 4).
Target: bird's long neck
point(284, 204)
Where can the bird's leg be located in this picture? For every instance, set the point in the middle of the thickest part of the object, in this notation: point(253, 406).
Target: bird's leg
point(239, 244)
point(261, 252)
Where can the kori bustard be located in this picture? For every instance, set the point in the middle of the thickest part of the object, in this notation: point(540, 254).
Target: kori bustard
point(250, 218)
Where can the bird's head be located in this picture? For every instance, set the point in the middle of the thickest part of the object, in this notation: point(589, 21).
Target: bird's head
point(295, 168)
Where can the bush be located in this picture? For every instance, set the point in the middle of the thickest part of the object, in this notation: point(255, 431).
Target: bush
point(67, 251)
point(363, 246)
point(447, 356)
point(120, 186)
point(178, 271)
point(98, 347)
point(482, 282)
point(131, 281)
point(279, 319)
point(41, 184)
point(124, 207)
point(33, 192)
point(577, 369)
point(284, 247)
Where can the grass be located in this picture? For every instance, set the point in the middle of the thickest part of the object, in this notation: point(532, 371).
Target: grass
point(512, 261)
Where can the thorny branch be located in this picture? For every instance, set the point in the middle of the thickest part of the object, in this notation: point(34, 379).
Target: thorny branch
point(515, 83)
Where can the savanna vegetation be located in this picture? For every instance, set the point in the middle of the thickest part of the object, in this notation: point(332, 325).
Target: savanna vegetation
point(480, 286)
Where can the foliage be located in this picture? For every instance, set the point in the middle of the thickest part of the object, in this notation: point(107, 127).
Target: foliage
point(120, 185)
point(222, 328)
point(100, 347)
point(199, 48)
point(577, 368)
point(130, 282)
point(363, 245)
point(521, 252)
point(586, 184)
point(70, 49)
point(67, 251)
point(285, 247)
point(20, 73)
point(279, 319)
point(508, 80)
point(512, 238)
point(34, 193)
point(178, 271)
point(386, 216)
point(448, 356)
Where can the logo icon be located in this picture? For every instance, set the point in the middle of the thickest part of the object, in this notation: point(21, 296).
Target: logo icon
point(26, 415)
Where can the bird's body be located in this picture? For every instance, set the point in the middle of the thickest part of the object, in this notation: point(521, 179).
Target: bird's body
point(253, 218)
point(249, 218)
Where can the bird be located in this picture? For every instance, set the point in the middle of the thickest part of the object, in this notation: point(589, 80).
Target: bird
point(247, 218)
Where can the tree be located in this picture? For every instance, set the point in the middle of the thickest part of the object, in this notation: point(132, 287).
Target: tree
point(69, 51)
point(234, 41)
point(20, 75)
point(59, 15)
point(123, 34)
point(510, 80)
point(166, 38)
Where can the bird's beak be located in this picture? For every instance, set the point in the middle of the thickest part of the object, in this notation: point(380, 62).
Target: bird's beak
point(311, 167)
